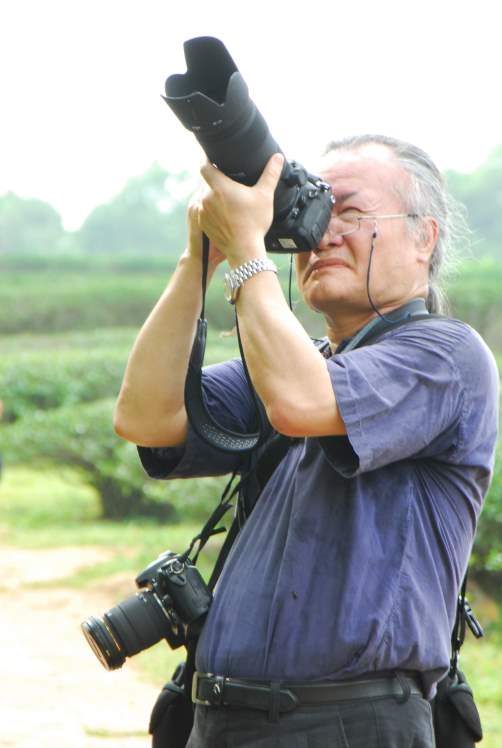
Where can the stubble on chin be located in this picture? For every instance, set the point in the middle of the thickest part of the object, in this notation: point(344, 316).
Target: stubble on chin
point(324, 291)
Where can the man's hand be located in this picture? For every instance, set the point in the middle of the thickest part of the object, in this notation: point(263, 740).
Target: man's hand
point(236, 217)
point(194, 246)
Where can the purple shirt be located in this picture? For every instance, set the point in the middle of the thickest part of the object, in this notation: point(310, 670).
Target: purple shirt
point(352, 559)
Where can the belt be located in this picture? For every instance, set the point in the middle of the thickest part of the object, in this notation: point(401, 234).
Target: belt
point(217, 690)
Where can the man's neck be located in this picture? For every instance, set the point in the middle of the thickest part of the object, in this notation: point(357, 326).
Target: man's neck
point(347, 323)
point(345, 327)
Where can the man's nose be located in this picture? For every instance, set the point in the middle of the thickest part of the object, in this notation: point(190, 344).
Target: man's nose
point(331, 238)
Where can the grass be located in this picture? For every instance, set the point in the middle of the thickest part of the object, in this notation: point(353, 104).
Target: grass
point(53, 509)
point(481, 662)
point(49, 509)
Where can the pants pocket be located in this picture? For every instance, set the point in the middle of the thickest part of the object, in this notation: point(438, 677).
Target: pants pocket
point(408, 724)
point(331, 736)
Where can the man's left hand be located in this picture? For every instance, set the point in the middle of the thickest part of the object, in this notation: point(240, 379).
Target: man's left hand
point(236, 217)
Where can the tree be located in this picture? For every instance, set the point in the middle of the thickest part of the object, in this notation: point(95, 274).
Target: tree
point(147, 216)
point(481, 193)
point(486, 560)
point(82, 437)
point(28, 225)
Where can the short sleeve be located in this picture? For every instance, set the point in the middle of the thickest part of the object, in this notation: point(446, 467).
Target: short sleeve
point(229, 400)
point(405, 396)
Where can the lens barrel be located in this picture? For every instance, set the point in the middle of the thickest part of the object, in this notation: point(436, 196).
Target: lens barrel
point(130, 627)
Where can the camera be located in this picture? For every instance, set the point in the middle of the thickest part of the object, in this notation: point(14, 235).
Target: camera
point(212, 101)
point(172, 599)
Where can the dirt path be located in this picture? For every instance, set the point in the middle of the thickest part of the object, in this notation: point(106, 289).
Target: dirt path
point(53, 692)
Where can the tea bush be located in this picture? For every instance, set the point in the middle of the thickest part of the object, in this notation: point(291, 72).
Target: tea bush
point(42, 380)
point(82, 437)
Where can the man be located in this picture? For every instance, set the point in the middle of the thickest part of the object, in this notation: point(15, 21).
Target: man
point(342, 585)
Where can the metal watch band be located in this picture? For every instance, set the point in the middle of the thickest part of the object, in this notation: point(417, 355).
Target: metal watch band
point(235, 278)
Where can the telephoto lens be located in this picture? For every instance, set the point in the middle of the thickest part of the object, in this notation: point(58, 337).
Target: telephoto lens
point(212, 101)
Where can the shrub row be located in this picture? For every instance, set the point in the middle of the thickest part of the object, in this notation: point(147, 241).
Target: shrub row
point(82, 437)
point(115, 294)
point(39, 373)
point(35, 381)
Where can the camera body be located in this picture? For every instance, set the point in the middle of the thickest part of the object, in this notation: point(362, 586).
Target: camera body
point(300, 226)
point(172, 598)
point(178, 585)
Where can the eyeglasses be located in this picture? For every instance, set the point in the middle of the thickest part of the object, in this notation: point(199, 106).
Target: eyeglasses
point(349, 223)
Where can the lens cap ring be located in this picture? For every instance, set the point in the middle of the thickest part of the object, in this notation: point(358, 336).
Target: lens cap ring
point(103, 644)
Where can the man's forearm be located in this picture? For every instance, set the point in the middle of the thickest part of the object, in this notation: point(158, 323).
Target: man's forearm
point(288, 373)
point(290, 376)
point(150, 407)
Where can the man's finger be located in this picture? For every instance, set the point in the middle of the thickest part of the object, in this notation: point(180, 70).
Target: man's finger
point(272, 172)
point(211, 174)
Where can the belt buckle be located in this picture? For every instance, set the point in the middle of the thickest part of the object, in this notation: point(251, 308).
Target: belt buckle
point(216, 690)
point(195, 683)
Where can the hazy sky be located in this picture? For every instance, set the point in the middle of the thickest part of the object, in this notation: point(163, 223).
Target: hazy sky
point(81, 83)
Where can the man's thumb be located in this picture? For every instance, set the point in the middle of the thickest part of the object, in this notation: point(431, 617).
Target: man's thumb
point(272, 172)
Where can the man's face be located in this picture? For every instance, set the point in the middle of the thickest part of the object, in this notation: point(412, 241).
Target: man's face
point(367, 181)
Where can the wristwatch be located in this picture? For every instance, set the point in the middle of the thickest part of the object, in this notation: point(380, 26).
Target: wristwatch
point(235, 278)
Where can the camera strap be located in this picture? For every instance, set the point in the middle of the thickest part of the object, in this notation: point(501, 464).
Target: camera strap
point(209, 529)
point(201, 420)
point(464, 617)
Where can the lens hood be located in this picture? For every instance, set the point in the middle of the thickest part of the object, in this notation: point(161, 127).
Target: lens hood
point(212, 100)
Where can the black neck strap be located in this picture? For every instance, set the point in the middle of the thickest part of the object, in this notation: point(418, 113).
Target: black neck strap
point(200, 418)
point(205, 270)
point(412, 310)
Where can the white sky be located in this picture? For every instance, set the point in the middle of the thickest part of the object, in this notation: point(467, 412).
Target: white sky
point(81, 83)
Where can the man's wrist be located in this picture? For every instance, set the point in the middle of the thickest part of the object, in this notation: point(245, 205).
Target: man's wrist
point(193, 263)
point(235, 279)
point(252, 250)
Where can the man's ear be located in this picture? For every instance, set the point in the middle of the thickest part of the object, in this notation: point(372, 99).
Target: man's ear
point(427, 238)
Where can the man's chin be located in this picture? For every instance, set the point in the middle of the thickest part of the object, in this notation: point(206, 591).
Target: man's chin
point(325, 300)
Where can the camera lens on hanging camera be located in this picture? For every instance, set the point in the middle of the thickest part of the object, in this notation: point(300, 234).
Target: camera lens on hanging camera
point(172, 597)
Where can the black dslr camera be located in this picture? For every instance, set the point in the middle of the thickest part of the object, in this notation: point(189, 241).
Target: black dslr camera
point(172, 597)
point(211, 100)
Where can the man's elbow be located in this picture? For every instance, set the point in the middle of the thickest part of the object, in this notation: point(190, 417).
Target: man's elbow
point(150, 430)
point(293, 420)
point(123, 426)
point(131, 421)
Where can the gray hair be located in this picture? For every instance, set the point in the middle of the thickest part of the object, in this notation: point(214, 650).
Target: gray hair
point(426, 195)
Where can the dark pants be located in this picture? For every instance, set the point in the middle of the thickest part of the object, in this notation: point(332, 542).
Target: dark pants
point(360, 723)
